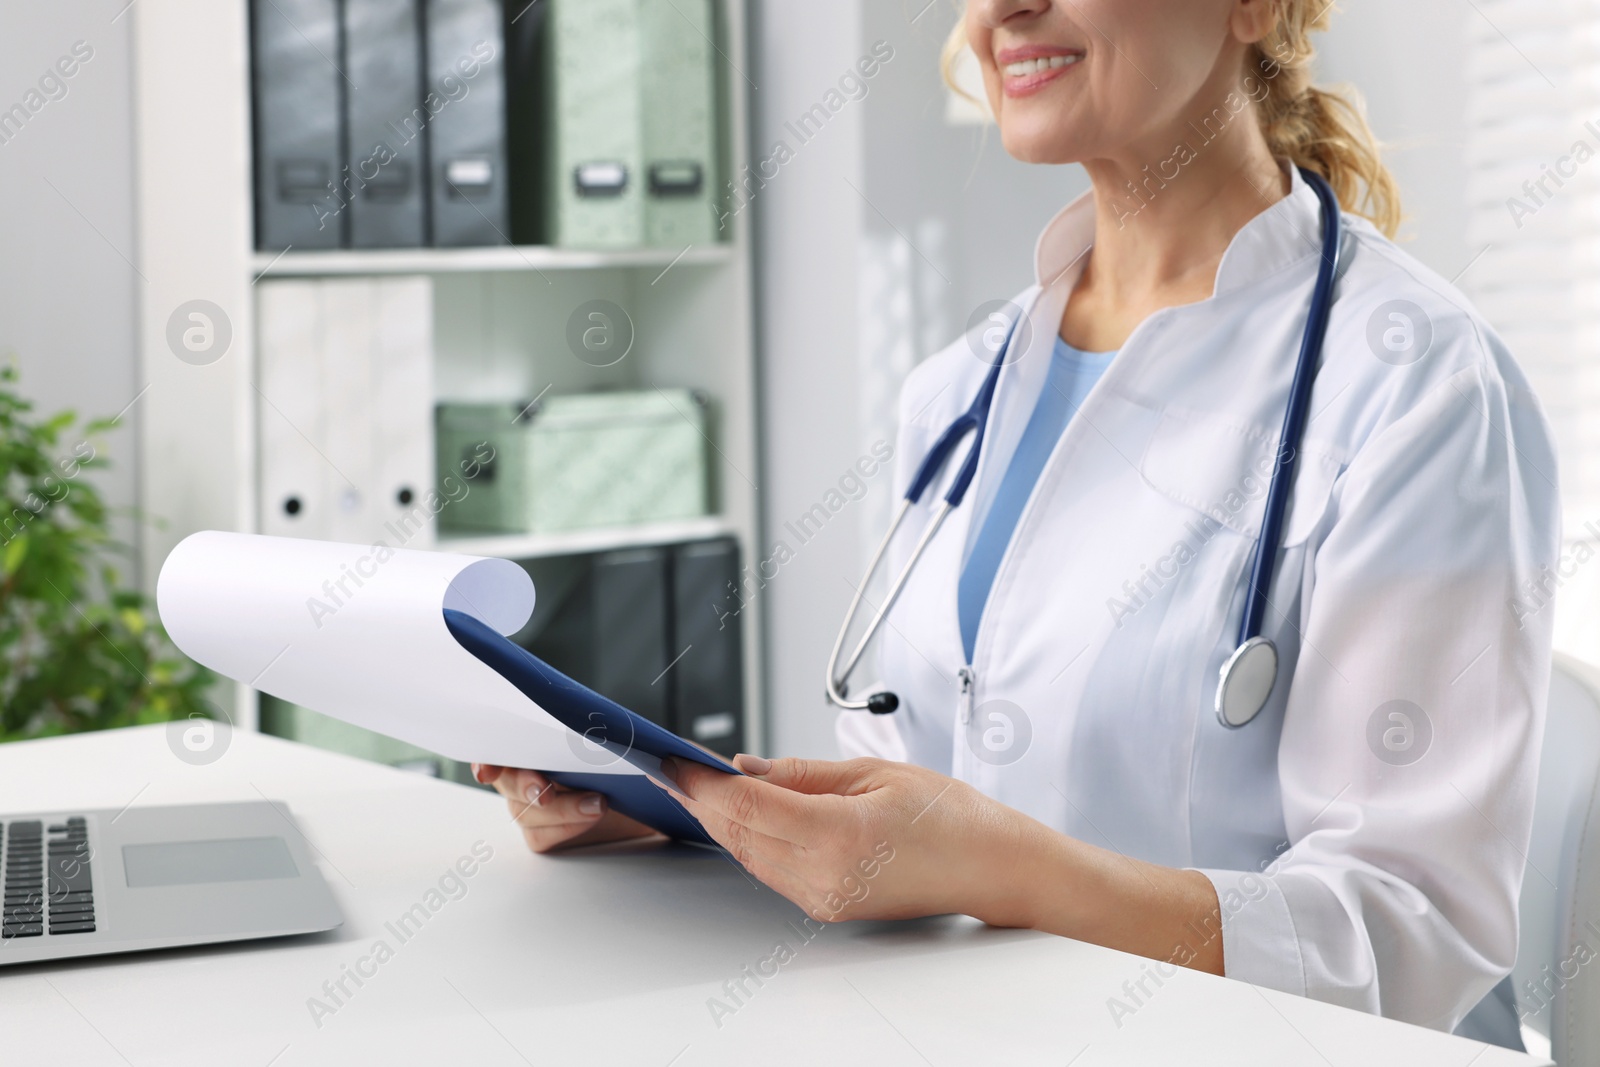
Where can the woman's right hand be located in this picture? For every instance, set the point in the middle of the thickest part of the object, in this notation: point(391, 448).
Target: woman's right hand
point(552, 816)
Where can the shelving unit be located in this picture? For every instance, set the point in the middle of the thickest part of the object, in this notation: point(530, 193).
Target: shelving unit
point(467, 260)
point(584, 542)
point(499, 313)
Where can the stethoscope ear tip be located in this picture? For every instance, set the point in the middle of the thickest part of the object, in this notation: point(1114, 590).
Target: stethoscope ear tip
point(883, 703)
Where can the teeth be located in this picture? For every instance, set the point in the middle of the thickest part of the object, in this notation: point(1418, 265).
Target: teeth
point(1034, 66)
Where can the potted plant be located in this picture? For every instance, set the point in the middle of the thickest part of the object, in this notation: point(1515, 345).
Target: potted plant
point(79, 650)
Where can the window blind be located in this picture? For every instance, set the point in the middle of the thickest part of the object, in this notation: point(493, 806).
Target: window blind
point(1533, 192)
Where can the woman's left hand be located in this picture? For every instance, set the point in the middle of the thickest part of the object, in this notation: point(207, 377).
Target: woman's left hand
point(865, 838)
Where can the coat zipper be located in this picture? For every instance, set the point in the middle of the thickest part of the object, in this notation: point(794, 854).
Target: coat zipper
point(1149, 325)
point(968, 682)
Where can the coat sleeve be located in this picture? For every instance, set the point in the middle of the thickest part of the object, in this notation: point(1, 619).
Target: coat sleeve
point(861, 733)
point(1410, 746)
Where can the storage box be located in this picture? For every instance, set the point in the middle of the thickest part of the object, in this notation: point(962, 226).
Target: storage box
point(573, 462)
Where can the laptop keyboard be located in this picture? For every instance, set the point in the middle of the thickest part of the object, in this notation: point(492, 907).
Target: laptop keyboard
point(47, 881)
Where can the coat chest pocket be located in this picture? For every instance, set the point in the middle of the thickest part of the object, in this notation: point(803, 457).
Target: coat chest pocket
point(1222, 469)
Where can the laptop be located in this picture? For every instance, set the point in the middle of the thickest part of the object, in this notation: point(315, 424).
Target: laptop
point(87, 883)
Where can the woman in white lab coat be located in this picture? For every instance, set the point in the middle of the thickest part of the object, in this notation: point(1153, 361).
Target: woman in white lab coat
point(1055, 762)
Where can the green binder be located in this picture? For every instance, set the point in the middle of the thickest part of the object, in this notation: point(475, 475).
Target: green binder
point(595, 187)
point(680, 122)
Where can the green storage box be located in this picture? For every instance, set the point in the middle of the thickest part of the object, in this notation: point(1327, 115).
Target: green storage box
point(575, 462)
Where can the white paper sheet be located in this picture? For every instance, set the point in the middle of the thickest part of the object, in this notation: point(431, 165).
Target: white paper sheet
point(359, 634)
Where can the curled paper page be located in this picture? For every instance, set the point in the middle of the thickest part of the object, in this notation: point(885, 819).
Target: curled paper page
point(358, 632)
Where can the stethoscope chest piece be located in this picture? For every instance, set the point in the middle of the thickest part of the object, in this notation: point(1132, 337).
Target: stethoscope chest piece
point(1246, 682)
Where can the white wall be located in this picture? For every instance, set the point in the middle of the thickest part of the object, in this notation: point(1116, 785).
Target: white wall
point(857, 287)
point(807, 226)
point(67, 281)
point(1408, 62)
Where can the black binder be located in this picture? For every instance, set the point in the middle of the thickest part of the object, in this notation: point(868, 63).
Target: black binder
point(649, 629)
point(610, 630)
point(708, 679)
point(298, 102)
point(631, 611)
point(527, 102)
point(385, 124)
point(466, 92)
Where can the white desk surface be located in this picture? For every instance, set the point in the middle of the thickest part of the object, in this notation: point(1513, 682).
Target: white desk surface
point(607, 957)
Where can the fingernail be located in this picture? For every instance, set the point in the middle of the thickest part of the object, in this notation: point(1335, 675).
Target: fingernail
point(669, 767)
point(752, 764)
point(477, 773)
point(535, 793)
point(591, 805)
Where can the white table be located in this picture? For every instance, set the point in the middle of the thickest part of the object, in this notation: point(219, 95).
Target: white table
point(608, 957)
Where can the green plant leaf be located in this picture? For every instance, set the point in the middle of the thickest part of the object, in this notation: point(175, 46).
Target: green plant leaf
point(78, 649)
point(16, 552)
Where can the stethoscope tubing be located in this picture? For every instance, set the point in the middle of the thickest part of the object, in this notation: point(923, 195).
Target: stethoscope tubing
point(1294, 417)
point(975, 421)
point(836, 691)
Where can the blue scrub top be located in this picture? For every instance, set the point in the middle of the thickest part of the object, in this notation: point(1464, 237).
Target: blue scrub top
point(1072, 374)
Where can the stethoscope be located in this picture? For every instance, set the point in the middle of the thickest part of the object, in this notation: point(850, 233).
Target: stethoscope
point(1249, 674)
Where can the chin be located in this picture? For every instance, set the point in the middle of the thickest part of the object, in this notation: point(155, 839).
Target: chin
point(1033, 145)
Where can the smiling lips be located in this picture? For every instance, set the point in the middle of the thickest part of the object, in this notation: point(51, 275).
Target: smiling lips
point(1027, 70)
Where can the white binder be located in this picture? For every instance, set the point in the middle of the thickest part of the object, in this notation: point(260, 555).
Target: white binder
point(346, 410)
point(403, 394)
point(295, 481)
point(345, 388)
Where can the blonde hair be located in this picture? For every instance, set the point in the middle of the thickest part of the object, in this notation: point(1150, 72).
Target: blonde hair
point(1323, 130)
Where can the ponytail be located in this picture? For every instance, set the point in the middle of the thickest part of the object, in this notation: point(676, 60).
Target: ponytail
point(1322, 130)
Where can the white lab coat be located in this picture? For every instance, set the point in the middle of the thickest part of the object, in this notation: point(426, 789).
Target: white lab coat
point(1425, 497)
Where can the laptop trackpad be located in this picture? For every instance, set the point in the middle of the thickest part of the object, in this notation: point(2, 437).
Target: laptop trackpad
point(235, 859)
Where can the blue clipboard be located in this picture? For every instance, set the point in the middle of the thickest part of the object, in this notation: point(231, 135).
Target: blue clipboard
point(626, 736)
